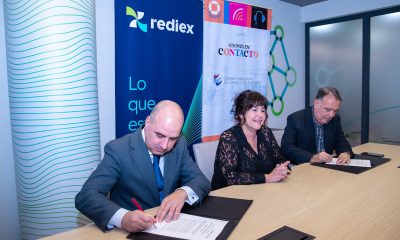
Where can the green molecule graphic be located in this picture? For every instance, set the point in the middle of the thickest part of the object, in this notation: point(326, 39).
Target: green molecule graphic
point(288, 72)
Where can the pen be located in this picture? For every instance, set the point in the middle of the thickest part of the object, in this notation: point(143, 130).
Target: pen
point(136, 203)
point(139, 207)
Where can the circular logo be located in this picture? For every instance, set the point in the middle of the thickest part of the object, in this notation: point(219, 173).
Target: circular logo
point(214, 8)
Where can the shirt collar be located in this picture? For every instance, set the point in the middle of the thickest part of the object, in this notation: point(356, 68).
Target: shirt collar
point(144, 139)
point(316, 123)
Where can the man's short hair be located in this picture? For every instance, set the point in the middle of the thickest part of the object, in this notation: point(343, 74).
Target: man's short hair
point(322, 92)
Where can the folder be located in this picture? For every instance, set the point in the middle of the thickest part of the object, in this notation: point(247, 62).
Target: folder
point(222, 208)
point(287, 233)
point(375, 161)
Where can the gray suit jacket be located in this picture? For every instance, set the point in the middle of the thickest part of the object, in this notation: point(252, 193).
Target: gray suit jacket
point(126, 171)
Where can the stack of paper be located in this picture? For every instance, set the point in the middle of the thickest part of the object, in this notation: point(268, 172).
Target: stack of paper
point(189, 227)
point(353, 162)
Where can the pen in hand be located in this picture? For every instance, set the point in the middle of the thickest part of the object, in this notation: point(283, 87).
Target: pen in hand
point(139, 207)
point(136, 203)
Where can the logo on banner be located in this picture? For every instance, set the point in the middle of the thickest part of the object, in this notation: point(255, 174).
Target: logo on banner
point(238, 14)
point(214, 11)
point(135, 22)
point(238, 50)
point(260, 15)
point(259, 19)
point(217, 79)
point(172, 25)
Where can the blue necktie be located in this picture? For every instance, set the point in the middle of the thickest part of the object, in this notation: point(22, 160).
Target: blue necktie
point(159, 177)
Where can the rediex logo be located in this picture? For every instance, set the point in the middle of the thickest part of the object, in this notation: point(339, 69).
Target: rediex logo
point(172, 25)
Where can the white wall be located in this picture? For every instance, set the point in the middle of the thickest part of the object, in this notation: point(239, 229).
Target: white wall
point(9, 225)
point(339, 8)
point(105, 41)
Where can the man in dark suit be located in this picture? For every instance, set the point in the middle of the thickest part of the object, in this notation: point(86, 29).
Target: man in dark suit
point(313, 134)
point(127, 172)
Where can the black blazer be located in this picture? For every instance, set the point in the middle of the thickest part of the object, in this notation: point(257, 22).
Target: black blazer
point(299, 140)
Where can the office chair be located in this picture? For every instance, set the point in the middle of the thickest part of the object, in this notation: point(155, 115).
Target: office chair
point(204, 153)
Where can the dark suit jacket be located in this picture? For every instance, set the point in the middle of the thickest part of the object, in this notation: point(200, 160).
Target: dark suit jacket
point(299, 140)
point(126, 171)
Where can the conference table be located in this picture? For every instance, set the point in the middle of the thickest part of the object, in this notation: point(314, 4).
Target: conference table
point(325, 203)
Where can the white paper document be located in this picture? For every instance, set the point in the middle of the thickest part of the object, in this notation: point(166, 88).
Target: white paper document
point(353, 162)
point(189, 227)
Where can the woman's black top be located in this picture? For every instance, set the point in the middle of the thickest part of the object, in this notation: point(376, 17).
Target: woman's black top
point(237, 163)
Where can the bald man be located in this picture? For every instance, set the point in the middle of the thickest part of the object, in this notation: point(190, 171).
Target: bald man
point(127, 172)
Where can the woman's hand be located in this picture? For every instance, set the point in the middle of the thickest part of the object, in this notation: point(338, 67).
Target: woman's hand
point(279, 173)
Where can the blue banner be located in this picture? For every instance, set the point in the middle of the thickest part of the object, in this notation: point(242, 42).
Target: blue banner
point(158, 55)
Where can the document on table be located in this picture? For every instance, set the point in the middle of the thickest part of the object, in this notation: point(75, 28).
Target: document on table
point(189, 227)
point(353, 162)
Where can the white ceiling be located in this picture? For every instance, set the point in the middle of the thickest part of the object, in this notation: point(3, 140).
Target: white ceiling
point(302, 3)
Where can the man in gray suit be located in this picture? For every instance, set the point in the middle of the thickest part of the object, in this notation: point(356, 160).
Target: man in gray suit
point(127, 172)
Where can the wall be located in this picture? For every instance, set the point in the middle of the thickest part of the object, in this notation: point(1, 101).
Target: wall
point(105, 69)
point(339, 8)
point(9, 225)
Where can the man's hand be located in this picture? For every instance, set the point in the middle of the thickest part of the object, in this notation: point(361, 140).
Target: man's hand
point(321, 157)
point(279, 173)
point(171, 206)
point(135, 221)
point(344, 158)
